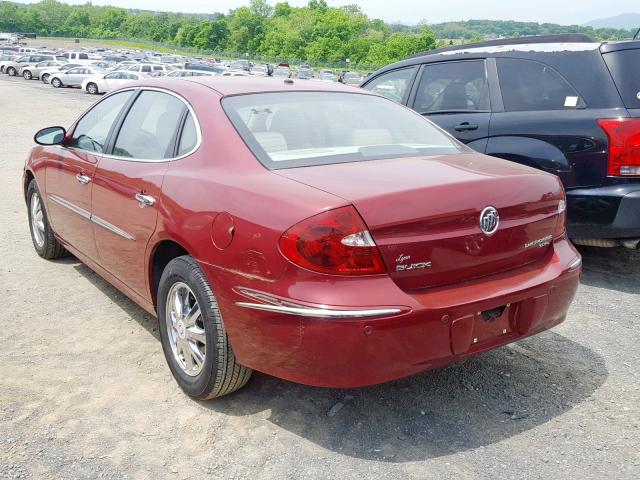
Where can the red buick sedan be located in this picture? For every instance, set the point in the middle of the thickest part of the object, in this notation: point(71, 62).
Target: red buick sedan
point(314, 232)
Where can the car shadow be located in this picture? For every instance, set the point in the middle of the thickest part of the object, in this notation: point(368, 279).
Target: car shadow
point(612, 268)
point(145, 319)
point(468, 405)
point(476, 402)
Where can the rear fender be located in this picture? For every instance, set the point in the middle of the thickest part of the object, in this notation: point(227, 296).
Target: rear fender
point(529, 151)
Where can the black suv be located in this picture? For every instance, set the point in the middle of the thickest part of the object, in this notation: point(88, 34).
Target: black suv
point(565, 104)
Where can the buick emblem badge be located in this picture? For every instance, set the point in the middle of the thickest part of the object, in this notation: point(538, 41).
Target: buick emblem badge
point(489, 220)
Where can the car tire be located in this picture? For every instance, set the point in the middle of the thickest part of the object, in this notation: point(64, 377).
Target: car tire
point(207, 375)
point(55, 82)
point(92, 88)
point(44, 241)
point(11, 72)
point(27, 75)
point(45, 77)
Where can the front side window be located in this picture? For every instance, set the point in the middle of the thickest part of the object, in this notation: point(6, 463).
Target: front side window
point(113, 76)
point(297, 129)
point(453, 87)
point(92, 130)
point(146, 69)
point(392, 85)
point(527, 85)
point(150, 125)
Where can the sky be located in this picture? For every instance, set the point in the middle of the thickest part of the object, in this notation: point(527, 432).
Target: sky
point(412, 11)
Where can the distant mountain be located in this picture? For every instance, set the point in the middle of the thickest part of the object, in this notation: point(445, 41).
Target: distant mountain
point(626, 21)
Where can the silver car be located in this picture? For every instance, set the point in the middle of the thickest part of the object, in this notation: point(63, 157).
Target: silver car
point(31, 71)
point(73, 77)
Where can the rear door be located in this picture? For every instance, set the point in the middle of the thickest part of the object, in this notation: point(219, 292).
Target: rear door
point(455, 96)
point(543, 123)
point(128, 184)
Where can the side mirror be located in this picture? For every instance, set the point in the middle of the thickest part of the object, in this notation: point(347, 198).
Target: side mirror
point(50, 136)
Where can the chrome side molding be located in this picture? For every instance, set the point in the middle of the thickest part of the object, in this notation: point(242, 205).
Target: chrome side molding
point(320, 312)
point(85, 214)
point(276, 304)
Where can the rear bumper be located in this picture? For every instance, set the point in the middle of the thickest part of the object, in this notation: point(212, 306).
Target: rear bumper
point(611, 212)
point(430, 329)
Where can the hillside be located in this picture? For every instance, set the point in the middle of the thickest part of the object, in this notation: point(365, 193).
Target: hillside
point(627, 21)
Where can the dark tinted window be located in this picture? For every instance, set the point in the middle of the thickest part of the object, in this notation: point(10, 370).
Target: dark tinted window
point(83, 56)
point(92, 129)
point(189, 137)
point(393, 84)
point(146, 68)
point(527, 86)
point(150, 126)
point(625, 68)
point(453, 86)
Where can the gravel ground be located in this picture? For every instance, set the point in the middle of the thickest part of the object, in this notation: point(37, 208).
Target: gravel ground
point(85, 392)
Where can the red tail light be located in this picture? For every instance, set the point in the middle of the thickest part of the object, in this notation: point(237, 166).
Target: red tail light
point(335, 242)
point(624, 145)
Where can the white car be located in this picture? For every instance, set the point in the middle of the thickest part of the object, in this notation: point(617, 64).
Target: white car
point(149, 68)
point(189, 73)
point(235, 73)
point(46, 73)
point(105, 82)
point(74, 76)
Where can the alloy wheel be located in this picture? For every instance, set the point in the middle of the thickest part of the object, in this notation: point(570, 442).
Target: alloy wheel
point(37, 220)
point(92, 88)
point(45, 78)
point(27, 75)
point(11, 71)
point(185, 329)
point(56, 83)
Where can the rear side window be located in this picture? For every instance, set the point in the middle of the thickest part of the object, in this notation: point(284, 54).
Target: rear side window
point(92, 130)
point(392, 85)
point(527, 85)
point(83, 56)
point(624, 66)
point(189, 137)
point(149, 128)
point(299, 129)
point(453, 87)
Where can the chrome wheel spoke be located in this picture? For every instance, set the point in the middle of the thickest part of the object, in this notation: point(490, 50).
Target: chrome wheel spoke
point(185, 329)
point(192, 315)
point(196, 334)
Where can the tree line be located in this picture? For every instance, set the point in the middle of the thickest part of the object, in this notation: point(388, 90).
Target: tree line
point(315, 33)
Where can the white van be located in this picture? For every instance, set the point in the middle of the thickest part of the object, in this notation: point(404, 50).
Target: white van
point(75, 57)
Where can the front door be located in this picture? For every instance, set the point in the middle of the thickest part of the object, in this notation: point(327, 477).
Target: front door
point(70, 173)
point(128, 185)
point(455, 96)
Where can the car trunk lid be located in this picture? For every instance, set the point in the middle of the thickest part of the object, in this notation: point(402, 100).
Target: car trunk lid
point(424, 213)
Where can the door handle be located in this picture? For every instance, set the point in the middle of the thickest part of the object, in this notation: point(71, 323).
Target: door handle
point(82, 178)
point(145, 200)
point(465, 126)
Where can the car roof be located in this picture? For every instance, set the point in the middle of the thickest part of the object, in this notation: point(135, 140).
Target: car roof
point(226, 86)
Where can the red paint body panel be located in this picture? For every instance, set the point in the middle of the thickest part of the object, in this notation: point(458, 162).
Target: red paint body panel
point(427, 207)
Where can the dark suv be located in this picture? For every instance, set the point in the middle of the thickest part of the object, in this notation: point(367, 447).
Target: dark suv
point(565, 104)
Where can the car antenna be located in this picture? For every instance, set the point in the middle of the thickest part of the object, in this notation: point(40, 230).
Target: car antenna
point(636, 35)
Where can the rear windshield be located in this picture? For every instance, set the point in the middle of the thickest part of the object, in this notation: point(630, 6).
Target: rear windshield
point(624, 66)
point(299, 129)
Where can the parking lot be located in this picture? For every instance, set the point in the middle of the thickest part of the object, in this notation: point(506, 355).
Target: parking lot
point(85, 391)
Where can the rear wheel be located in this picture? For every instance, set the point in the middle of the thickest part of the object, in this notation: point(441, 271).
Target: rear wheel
point(11, 71)
point(42, 235)
point(92, 88)
point(193, 335)
point(45, 78)
point(27, 75)
point(56, 82)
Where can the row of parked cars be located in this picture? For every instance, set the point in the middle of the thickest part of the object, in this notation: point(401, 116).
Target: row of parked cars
point(101, 72)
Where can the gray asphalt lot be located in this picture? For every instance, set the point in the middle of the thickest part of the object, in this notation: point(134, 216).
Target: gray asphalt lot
point(85, 392)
